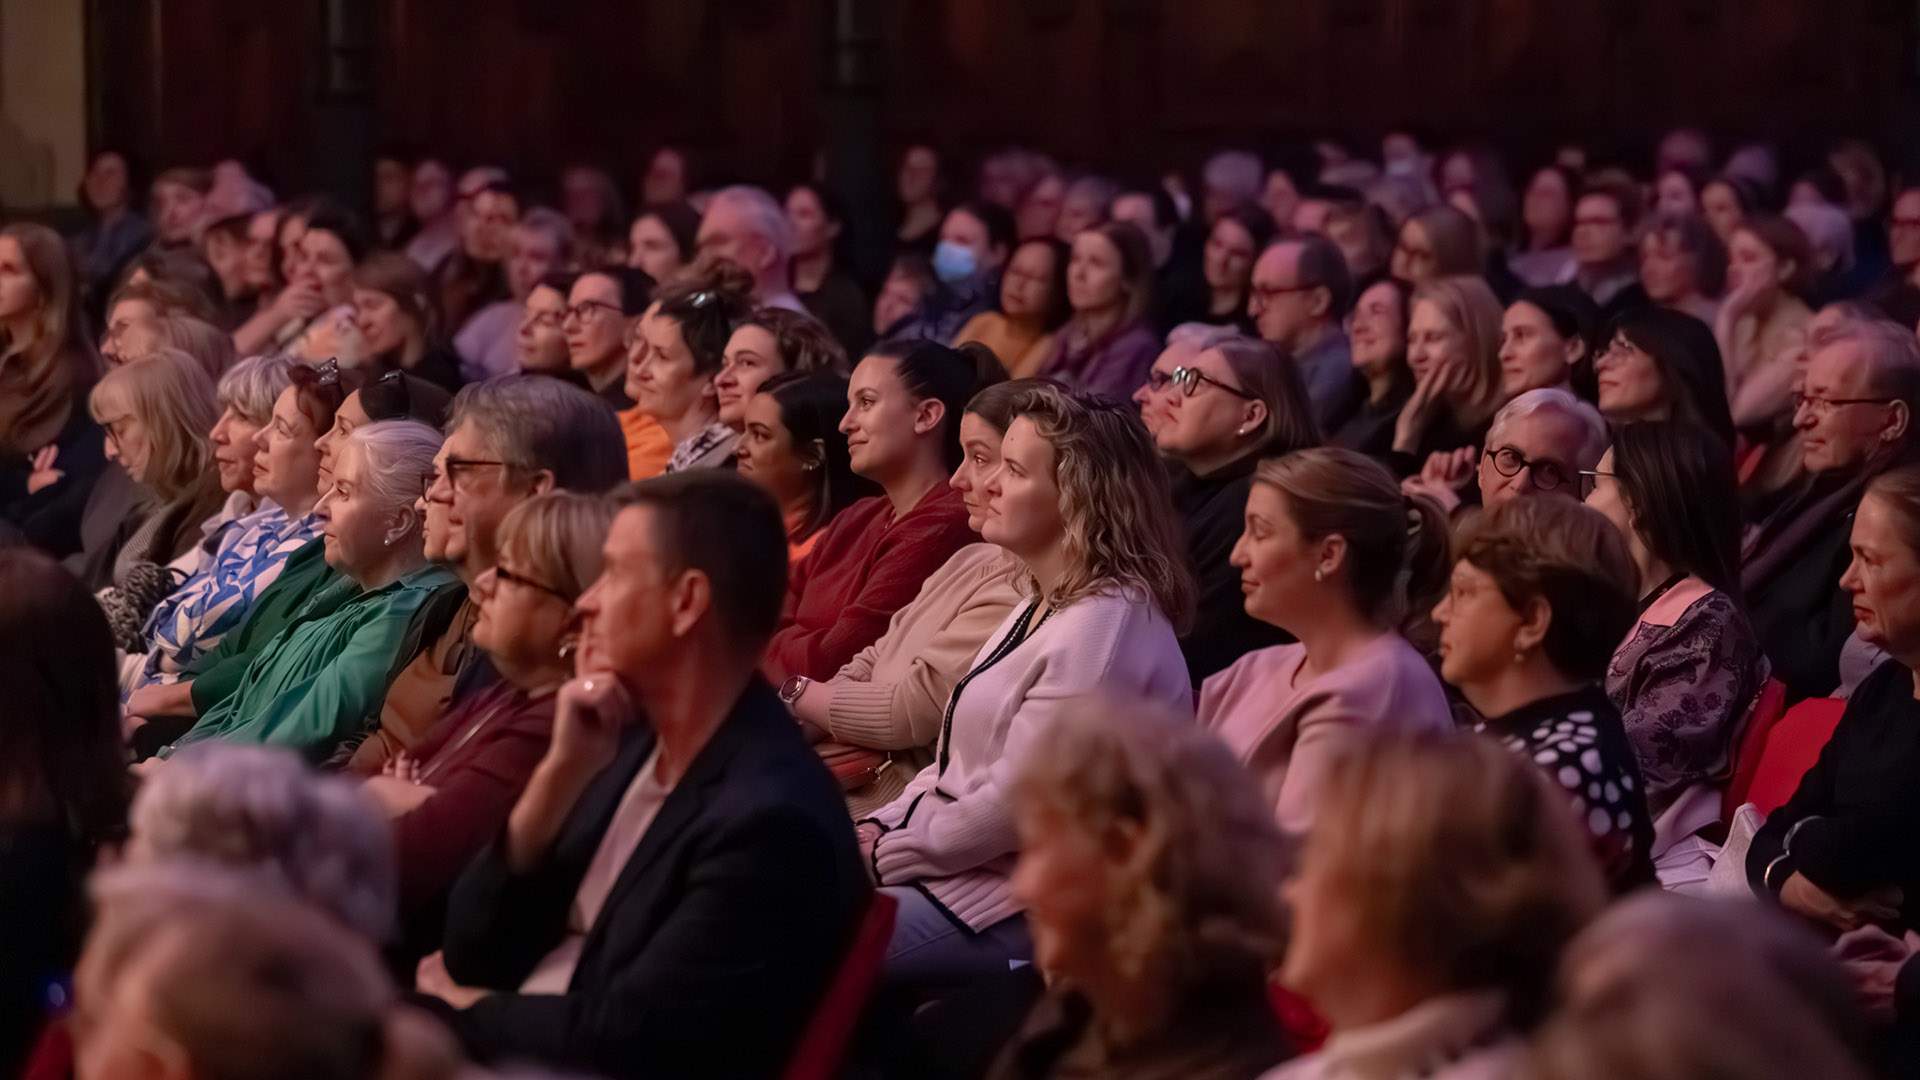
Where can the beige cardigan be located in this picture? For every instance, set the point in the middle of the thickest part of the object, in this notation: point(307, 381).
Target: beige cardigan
point(893, 694)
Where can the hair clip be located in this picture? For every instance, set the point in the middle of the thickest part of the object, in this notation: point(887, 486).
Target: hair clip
point(392, 377)
point(329, 370)
point(701, 298)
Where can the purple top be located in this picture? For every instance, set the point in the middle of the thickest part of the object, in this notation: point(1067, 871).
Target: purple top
point(1114, 365)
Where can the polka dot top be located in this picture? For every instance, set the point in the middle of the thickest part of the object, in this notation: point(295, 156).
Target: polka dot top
point(1577, 739)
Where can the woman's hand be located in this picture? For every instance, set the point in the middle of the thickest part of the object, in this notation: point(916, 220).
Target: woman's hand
point(431, 978)
point(866, 836)
point(298, 302)
point(44, 475)
point(1800, 895)
point(1873, 959)
point(1432, 394)
point(396, 796)
point(1445, 477)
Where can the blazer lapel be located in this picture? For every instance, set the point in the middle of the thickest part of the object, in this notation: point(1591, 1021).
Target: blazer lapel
point(602, 798)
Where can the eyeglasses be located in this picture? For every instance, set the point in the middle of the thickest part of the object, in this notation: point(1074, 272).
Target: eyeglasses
point(584, 308)
point(1188, 380)
point(547, 320)
point(1823, 406)
point(1267, 294)
point(1547, 475)
point(113, 428)
point(1590, 479)
point(457, 467)
point(501, 573)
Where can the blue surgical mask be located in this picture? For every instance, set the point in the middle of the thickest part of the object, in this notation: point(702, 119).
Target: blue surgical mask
point(953, 263)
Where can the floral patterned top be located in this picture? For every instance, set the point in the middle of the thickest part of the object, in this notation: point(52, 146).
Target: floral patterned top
point(1683, 681)
point(194, 617)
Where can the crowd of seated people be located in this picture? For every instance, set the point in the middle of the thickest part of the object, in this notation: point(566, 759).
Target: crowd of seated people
point(1319, 616)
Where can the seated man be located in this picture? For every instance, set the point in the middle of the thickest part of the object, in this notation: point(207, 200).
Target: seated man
point(668, 898)
point(1538, 444)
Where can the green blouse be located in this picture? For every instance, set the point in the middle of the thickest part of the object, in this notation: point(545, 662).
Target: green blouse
point(320, 679)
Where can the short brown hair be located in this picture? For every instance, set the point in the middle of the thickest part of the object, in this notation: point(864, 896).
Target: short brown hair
point(804, 343)
point(1458, 858)
point(729, 529)
point(1788, 244)
point(1572, 558)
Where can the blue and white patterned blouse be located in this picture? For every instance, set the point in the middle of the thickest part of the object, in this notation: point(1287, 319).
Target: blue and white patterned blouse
point(194, 618)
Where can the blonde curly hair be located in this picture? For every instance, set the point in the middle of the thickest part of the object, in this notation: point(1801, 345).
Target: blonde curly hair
point(1114, 499)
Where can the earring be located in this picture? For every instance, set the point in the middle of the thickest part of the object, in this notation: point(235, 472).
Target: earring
point(1319, 575)
point(1244, 430)
point(567, 648)
point(1519, 658)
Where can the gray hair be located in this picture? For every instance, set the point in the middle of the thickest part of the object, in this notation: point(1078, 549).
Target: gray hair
point(1594, 436)
point(1096, 189)
point(1200, 336)
point(211, 346)
point(1828, 229)
point(1236, 172)
point(398, 457)
point(547, 220)
point(762, 213)
point(1892, 356)
point(536, 422)
point(261, 812)
point(251, 386)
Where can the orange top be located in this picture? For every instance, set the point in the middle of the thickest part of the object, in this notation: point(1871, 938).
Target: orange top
point(649, 447)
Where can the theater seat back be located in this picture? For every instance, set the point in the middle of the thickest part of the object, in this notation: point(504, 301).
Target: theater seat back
point(1768, 707)
point(823, 1045)
point(1792, 747)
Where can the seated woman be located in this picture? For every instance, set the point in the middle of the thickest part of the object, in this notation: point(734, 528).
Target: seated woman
point(1033, 306)
point(1539, 597)
point(1335, 555)
point(1081, 500)
point(1688, 671)
point(1453, 347)
point(1377, 331)
point(1544, 339)
point(1437, 242)
point(1683, 265)
point(1762, 318)
point(64, 779)
point(397, 323)
point(1150, 871)
point(879, 716)
point(1108, 344)
point(157, 414)
point(793, 447)
point(1659, 364)
point(322, 677)
point(334, 242)
point(282, 469)
point(50, 447)
point(1441, 882)
point(1236, 401)
point(770, 342)
point(677, 349)
point(902, 428)
point(451, 797)
point(1840, 852)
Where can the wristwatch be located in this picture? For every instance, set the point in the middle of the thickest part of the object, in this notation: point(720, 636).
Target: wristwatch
point(791, 690)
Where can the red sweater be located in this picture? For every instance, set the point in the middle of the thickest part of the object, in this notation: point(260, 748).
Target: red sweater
point(866, 566)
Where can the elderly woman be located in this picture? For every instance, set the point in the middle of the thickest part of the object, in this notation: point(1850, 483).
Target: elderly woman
point(450, 796)
point(1442, 880)
point(320, 680)
point(1150, 871)
point(1541, 593)
point(260, 448)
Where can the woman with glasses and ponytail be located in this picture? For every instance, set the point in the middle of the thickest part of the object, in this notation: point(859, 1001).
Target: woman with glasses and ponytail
point(1234, 402)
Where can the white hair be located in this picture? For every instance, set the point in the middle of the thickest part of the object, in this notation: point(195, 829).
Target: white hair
point(1200, 336)
point(1235, 172)
point(261, 812)
point(1594, 437)
point(762, 213)
point(398, 457)
point(1828, 229)
point(251, 386)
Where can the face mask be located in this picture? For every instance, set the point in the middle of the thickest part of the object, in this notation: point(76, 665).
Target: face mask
point(952, 263)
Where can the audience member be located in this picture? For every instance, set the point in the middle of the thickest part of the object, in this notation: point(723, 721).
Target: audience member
point(1234, 402)
point(679, 348)
point(1831, 261)
point(398, 327)
point(1661, 364)
point(766, 343)
point(432, 201)
point(474, 276)
point(1149, 870)
point(908, 285)
point(918, 187)
point(1855, 415)
point(976, 239)
point(1336, 556)
point(1606, 218)
point(1762, 317)
point(1080, 499)
point(115, 231)
point(1107, 346)
point(829, 292)
point(1037, 213)
point(178, 200)
point(1544, 255)
point(1545, 337)
point(1686, 675)
point(1377, 339)
point(1033, 307)
point(668, 179)
point(541, 243)
point(392, 213)
point(746, 227)
point(662, 240)
point(1301, 296)
point(63, 779)
point(1440, 884)
point(1226, 266)
point(1541, 593)
point(902, 428)
point(791, 445)
point(1538, 444)
point(601, 308)
point(1437, 242)
point(626, 898)
point(1683, 265)
point(1179, 281)
point(1453, 349)
point(540, 344)
point(595, 215)
point(877, 719)
point(1084, 206)
point(331, 246)
point(1836, 853)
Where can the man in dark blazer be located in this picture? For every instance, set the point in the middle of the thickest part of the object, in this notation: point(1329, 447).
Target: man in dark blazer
point(678, 882)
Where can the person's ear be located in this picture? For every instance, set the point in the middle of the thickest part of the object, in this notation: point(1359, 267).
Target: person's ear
point(1322, 302)
point(1575, 349)
point(1123, 842)
point(403, 521)
point(813, 456)
point(1333, 555)
point(928, 414)
point(1788, 268)
point(1253, 417)
point(1898, 422)
point(1536, 618)
point(689, 599)
point(541, 482)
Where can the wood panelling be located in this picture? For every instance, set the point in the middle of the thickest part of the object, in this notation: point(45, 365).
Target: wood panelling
point(1116, 83)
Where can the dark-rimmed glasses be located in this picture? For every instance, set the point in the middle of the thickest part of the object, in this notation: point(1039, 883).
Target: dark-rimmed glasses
point(501, 573)
point(1824, 406)
point(1188, 380)
point(1547, 475)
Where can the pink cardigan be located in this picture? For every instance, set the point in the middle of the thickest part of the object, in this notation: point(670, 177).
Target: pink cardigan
point(1287, 731)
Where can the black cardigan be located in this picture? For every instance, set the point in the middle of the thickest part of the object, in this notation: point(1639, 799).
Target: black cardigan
point(1212, 511)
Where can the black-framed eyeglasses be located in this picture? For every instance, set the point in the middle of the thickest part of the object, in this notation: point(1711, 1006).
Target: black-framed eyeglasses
point(113, 428)
point(1266, 294)
point(1188, 380)
point(1547, 475)
point(1822, 406)
point(501, 573)
point(584, 308)
point(454, 468)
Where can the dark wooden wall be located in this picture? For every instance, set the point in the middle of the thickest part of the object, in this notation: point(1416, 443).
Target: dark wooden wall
point(1114, 83)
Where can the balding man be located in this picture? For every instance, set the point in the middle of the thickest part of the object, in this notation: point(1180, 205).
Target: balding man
point(746, 227)
point(1301, 292)
point(1855, 414)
